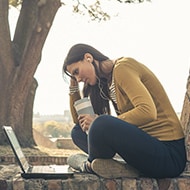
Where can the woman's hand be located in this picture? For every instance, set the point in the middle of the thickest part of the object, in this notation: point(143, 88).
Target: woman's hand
point(85, 121)
point(73, 82)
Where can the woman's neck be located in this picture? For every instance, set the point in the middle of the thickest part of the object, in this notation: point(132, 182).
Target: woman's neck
point(106, 69)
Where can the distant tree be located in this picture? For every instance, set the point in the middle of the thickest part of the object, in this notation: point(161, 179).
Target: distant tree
point(53, 128)
point(20, 57)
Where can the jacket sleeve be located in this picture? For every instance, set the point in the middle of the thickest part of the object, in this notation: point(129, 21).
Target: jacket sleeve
point(143, 108)
point(73, 98)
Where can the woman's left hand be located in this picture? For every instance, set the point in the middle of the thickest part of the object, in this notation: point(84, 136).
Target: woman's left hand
point(85, 120)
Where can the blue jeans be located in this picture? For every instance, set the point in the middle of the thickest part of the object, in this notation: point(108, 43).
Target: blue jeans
point(109, 135)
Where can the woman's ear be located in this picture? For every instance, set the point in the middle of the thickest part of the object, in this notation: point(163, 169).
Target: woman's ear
point(88, 57)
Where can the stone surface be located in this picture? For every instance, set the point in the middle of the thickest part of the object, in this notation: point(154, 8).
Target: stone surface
point(10, 179)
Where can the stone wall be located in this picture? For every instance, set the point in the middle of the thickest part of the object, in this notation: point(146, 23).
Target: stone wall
point(13, 181)
point(10, 179)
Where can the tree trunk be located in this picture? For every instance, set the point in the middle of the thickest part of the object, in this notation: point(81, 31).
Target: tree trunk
point(185, 114)
point(18, 62)
point(28, 113)
point(185, 117)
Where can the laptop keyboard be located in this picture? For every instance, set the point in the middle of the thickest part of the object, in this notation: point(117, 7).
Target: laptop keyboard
point(43, 169)
point(50, 169)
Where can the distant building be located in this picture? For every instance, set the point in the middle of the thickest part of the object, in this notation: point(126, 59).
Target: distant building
point(56, 117)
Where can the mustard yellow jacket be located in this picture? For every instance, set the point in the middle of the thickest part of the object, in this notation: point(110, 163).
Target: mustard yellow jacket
point(141, 101)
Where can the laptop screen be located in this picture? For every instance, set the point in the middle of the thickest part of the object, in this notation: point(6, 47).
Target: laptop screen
point(16, 148)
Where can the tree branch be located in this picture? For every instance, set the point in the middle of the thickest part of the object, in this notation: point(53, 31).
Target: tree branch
point(5, 53)
point(25, 26)
point(42, 23)
point(95, 10)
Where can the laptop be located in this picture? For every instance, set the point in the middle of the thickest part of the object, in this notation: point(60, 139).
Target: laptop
point(28, 171)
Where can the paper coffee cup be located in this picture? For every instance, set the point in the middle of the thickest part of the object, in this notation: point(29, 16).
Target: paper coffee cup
point(84, 106)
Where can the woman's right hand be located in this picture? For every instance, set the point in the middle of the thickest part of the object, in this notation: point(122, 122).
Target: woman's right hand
point(85, 121)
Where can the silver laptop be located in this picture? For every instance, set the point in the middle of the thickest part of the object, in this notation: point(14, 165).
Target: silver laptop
point(28, 171)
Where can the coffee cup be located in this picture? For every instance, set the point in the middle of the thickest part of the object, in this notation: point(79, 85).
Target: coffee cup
point(84, 106)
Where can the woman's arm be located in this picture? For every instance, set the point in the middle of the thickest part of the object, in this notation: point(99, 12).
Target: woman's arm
point(144, 110)
point(74, 95)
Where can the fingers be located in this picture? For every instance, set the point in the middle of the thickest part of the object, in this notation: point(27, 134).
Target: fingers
point(85, 121)
point(84, 124)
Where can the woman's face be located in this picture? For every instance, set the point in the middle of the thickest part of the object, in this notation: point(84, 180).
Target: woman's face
point(83, 71)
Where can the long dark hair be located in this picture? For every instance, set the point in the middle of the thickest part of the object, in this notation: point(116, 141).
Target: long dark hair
point(98, 93)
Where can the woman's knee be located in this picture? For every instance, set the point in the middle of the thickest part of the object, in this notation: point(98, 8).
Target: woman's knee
point(99, 125)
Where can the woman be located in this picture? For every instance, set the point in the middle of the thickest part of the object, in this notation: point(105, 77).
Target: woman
point(146, 133)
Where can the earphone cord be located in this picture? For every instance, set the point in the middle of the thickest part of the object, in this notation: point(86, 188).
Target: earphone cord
point(102, 94)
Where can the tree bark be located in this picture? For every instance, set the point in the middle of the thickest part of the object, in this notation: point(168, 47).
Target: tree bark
point(28, 113)
point(18, 62)
point(185, 114)
point(5, 63)
point(185, 117)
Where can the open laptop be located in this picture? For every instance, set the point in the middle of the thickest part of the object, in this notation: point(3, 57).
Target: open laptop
point(28, 171)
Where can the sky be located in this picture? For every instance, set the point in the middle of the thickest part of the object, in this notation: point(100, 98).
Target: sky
point(156, 34)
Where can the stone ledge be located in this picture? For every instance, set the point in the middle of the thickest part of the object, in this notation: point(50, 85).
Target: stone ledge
point(10, 179)
point(66, 143)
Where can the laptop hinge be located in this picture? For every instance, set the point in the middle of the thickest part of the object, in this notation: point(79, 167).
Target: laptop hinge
point(29, 169)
